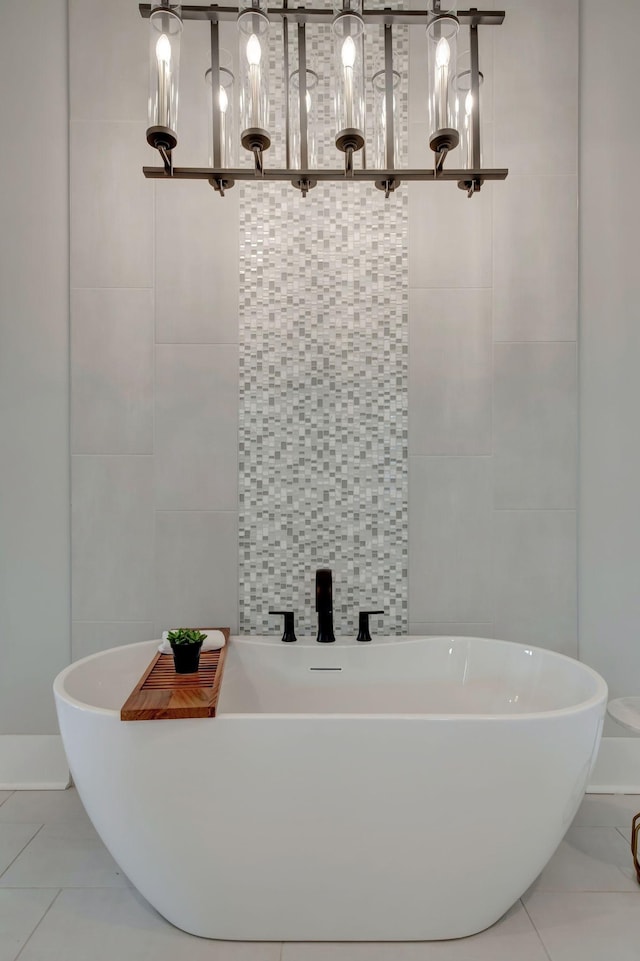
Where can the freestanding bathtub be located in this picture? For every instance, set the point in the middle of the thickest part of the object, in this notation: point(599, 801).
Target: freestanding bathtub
point(407, 789)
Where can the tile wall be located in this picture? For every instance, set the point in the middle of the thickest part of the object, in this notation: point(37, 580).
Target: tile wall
point(323, 382)
point(492, 380)
point(493, 387)
point(154, 351)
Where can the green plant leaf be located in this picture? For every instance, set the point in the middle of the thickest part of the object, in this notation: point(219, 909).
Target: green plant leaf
point(185, 635)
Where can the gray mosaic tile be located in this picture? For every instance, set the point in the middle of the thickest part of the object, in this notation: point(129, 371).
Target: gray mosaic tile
point(323, 438)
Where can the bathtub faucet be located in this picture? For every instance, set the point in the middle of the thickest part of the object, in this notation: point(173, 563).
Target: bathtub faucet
point(324, 605)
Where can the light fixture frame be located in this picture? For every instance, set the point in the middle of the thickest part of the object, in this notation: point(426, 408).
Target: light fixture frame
point(222, 178)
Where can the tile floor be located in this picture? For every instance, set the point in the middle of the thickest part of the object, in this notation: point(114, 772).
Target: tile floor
point(63, 898)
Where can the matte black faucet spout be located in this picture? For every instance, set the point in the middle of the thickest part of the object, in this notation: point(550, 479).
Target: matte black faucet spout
point(324, 605)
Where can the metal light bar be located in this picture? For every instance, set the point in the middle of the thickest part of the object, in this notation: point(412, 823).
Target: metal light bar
point(215, 93)
point(475, 109)
point(302, 86)
point(363, 152)
point(390, 159)
point(491, 18)
point(389, 118)
point(287, 107)
point(284, 173)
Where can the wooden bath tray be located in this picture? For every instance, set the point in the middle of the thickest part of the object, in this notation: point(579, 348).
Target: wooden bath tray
point(162, 694)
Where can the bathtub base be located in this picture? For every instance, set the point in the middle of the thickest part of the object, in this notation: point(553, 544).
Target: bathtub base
point(330, 829)
point(333, 825)
point(364, 929)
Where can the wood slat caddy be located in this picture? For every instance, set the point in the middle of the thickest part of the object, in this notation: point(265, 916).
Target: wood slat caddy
point(162, 694)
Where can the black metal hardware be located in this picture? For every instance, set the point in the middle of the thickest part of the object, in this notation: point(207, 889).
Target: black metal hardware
point(324, 605)
point(304, 184)
point(324, 174)
point(215, 94)
point(289, 633)
point(389, 153)
point(164, 140)
point(635, 829)
point(490, 18)
point(287, 108)
point(302, 98)
point(470, 183)
point(390, 159)
point(363, 625)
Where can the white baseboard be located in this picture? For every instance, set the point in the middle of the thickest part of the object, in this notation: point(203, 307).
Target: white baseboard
point(32, 762)
point(617, 769)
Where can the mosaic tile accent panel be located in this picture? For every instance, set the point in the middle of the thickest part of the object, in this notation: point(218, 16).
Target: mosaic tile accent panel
point(323, 394)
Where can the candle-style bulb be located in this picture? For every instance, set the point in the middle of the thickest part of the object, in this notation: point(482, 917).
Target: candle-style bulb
point(348, 52)
point(254, 50)
point(223, 100)
point(163, 49)
point(468, 104)
point(443, 53)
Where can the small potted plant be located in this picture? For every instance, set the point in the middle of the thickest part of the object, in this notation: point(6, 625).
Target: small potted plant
point(185, 644)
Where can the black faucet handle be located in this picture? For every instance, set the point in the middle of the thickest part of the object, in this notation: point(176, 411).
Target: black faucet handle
point(289, 633)
point(363, 625)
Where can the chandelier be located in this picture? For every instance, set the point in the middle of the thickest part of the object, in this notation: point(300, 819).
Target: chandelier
point(453, 95)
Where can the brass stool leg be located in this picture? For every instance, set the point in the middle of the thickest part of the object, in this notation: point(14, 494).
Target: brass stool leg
point(635, 830)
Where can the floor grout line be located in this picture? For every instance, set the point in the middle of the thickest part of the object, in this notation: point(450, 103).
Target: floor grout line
point(620, 830)
point(9, 794)
point(23, 848)
point(539, 936)
point(38, 924)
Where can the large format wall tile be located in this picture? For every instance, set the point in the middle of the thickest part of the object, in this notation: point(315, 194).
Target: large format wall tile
point(453, 629)
point(535, 425)
point(537, 113)
point(112, 356)
point(196, 570)
point(450, 371)
point(196, 257)
point(111, 81)
point(112, 537)
point(89, 637)
point(449, 539)
point(111, 206)
point(196, 464)
point(449, 236)
point(534, 578)
point(34, 366)
point(536, 258)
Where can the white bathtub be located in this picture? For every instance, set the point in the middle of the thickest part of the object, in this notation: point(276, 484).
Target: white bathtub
point(410, 790)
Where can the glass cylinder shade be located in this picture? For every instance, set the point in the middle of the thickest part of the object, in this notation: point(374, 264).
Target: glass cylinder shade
point(225, 106)
point(442, 33)
point(379, 83)
point(164, 66)
point(253, 33)
point(464, 109)
point(294, 113)
point(348, 28)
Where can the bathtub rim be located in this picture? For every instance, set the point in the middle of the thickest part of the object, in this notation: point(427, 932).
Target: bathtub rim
point(600, 694)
